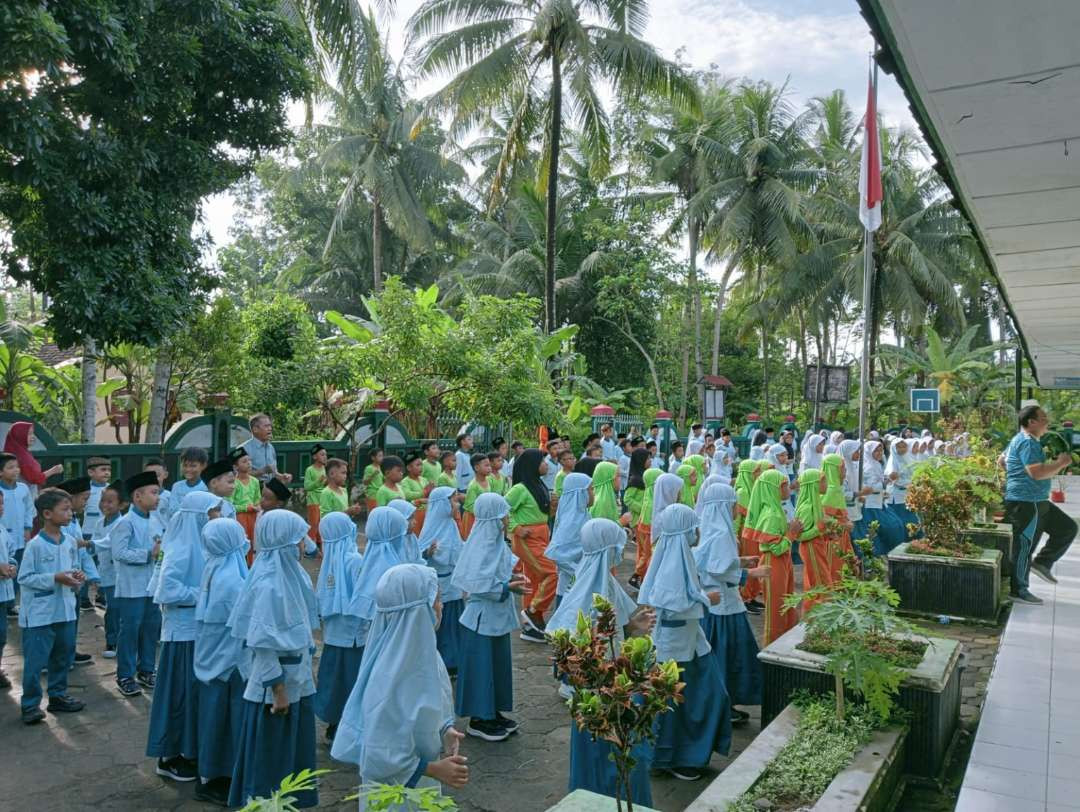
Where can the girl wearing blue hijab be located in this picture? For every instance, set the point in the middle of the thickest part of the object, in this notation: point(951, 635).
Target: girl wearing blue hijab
point(342, 646)
point(220, 661)
point(591, 767)
point(274, 617)
point(701, 725)
point(411, 550)
point(725, 624)
point(570, 516)
point(442, 536)
point(484, 573)
point(174, 714)
point(398, 725)
point(386, 531)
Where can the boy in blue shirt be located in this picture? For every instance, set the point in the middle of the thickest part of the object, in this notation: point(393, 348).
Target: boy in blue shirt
point(19, 511)
point(160, 517)
point(79, 490)
point(50, 576)
point(135, 548)
point(193, 462)
point(112, 500)
point(9, 568)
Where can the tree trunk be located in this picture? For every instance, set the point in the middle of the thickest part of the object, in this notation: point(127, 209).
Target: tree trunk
point(159, 398)
point(33, 309)
point(376, 246)
point(552, 190)
point(715, 367)
point(685, 362)
point(1003, 329)
point(765, 373)
point(801, 341)
point(626, 331)
point(695, 299)
point(89, 391)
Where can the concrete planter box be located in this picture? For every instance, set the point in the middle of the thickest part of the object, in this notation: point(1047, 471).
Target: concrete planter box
point(581, 800)
point(930, 692)
point(968, 588)
point(871, 783)
point(999, 537)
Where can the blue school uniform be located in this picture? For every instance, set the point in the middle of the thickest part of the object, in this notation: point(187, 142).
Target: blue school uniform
point(485, 672)
point(7, 585)
point(890, 531)
point(138, 618)
point(411, 549)
point(701, 724)
point(441, 529)
point(47, 615)
point(343, 647)
point(178, 491)
point(18, 518)
point(570, 516)
point(390, 740)
point(725, 624)
point(107, 573)
point(274, 617)
point(92, 512)
point(221, 664)
point(174, 713)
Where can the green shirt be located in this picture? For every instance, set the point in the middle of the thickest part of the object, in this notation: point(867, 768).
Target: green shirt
point(430, 471)
point(559, 477)
point(246, 495)
point(374, 479)
point(523, 508)
point(414, 491)
point(384, 496)
point(499, 484)
point(314, 482)
point(473, 491)
point(331, 501)
point(447, 481)
point(634, 499)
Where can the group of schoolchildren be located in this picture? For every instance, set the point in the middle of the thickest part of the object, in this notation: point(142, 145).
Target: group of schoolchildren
point(451, 538)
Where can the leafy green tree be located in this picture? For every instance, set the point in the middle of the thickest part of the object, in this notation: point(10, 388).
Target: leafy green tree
point(120, 117)
point(503, 49)
point(950, 365)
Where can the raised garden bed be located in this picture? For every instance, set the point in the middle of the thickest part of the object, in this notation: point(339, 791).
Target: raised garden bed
point(932, 585)
point(930, 692)
point(581, 800)
point(870, 783)
point(994, 536)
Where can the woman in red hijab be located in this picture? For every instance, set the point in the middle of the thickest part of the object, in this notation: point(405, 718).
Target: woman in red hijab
point(19, 439)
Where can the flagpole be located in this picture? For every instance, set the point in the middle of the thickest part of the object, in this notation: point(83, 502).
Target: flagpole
point(868, 277)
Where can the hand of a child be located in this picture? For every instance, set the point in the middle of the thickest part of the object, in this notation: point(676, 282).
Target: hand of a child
point(642, 622)
point(430, 551)
point(714, 597)
point(759, 572)
point(281, 700)
point(451, 771)
point(519, 584)
point(67, 579)
point(451, 741)
point(749, 561)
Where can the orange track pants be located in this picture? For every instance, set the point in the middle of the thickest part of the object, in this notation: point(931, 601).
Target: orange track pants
point(643, 533)
point(314, 514)
point(816, 566)
point(779, 584)
point(247, 521)
point(530, 541)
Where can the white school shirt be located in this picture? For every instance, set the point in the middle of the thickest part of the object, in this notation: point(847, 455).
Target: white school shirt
point(92, 512)
point(19, 512)
point(464, 472)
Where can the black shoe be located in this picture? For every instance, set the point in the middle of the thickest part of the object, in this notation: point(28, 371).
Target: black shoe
point(1025, 596)
point(331, 731)
point(213, 792)
point(1043, 572)
point(146, 679)
point(751, 609)
point(99, 602)
point(530, 621)
point(64, 704)
point(739, 717)
point(32, 716)
point(508, 724)
point(128, 687)
point(452, 673)
point(176, 769)
point(685, 773)
point(488, 730)
point(83, 659)
point(13, 612)
point(634, 581)
point(5, 681)
point(756, 604)
point(530, 635)
point(86, 606)
point(109, 653)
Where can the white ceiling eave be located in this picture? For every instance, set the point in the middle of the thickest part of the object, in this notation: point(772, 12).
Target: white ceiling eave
point(995, 85)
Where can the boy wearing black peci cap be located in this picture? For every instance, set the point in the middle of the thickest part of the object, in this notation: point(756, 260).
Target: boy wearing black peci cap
point(220, 480)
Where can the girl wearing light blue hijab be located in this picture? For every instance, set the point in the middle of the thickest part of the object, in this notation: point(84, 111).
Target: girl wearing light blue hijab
point(342, 646)
point(398, 722)
point(411, 549)
point(441, 535)
point(274, 616)
point(591, 767)
point(571, 514)
point(725, 624)
point(386, 531)
point(485, 573)
point(220, 661)
point(174, 713)
point(701, 725)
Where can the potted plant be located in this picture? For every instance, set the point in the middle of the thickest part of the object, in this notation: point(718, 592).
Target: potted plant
point(619, 691)
point(943, 572)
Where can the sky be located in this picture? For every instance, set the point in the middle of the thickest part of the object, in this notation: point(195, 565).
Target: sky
point(815, 46)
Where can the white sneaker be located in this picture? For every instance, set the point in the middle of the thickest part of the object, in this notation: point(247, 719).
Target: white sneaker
point(109, 654)
point(566, 691)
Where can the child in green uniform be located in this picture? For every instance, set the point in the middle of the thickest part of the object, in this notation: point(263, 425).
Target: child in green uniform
point(393, 471)
point(373, 478)
point(447, 478)
point(566, 466)
point(430, 468)
point(334, 497)
point(416, 489)
point(481, 483)
point(314, 482)
point(499, 483)
point(246, 493)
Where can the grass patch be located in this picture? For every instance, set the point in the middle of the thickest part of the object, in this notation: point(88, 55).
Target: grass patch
point(819, 749)
point(900, 651)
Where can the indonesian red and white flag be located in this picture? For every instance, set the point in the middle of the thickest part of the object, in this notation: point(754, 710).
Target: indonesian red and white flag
point(870, 170)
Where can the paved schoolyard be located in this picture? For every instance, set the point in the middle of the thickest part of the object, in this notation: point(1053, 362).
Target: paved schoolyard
point(94, 759)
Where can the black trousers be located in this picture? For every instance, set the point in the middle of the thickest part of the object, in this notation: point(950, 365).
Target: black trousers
point(1029, 521)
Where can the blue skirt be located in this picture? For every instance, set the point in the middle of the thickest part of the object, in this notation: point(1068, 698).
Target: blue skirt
point(698, 726)
point(906, 517)
point(891, 531)
point(174, 713)
point(271, 747)
point(448, 636)
point(592, 769)
point(221, 713)
point(736, 651)
point(338, 668)
point(485, 680)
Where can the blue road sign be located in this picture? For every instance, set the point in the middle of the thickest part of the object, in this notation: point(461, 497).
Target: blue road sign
point(925, 400)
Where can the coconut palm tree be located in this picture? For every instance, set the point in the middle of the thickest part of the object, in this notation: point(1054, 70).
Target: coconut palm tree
point(393, 156)
point(502, 49)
